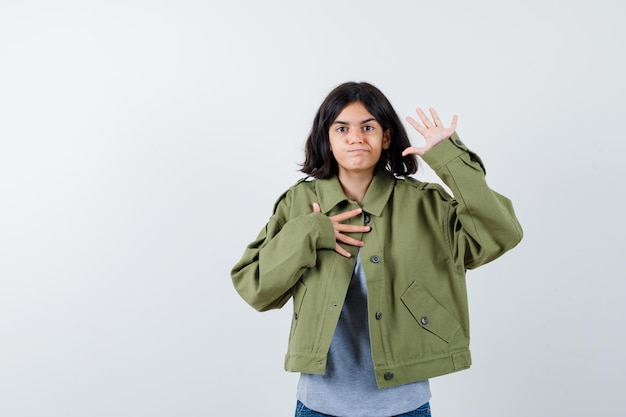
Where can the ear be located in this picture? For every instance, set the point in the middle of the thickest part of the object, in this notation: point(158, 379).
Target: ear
point(387, 138)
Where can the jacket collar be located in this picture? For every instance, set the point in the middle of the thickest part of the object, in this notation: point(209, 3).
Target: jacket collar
point(330, 193)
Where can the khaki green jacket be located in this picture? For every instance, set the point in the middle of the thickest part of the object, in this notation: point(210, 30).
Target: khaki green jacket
point(415, 256)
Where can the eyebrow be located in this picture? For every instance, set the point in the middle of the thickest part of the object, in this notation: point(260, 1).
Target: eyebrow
point(340, 122)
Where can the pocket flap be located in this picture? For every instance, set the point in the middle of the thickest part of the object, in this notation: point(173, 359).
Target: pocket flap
point(429, 314)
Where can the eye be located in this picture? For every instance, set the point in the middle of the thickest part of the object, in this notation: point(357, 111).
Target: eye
point(342, 129)
point(368, 128)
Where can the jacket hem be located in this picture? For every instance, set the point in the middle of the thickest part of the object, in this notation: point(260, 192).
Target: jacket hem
point(392, 375)
point(389, 375)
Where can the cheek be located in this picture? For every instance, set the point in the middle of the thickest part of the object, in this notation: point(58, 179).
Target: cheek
point(330, 143)
point(329, 150)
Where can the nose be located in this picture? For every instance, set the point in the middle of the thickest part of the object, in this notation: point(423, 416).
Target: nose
point(355, 137)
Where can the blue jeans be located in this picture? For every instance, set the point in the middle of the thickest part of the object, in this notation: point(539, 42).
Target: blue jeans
point(302, 411)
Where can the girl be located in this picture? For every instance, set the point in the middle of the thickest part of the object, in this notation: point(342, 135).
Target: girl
point(375, 260)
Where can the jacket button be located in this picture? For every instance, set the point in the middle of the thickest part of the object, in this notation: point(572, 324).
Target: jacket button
point(458, 142)
point(424, 320)
point(388, 376)
point(367, 218)
point(375, 259)
point(379, 315)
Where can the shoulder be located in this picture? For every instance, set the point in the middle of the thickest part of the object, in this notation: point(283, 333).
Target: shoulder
point(303, 187)
point(412, 185)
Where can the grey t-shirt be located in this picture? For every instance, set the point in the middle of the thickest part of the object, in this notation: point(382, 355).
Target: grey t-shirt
point(348, 389)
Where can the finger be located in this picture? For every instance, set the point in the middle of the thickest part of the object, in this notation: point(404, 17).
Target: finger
point(416, 125)
point(425, 120)
point(349, 240)
point(338, 218)
point(453, 123)
point(341, 251)
point(351, 228)
point(317, 208)
point(413, 150)
point(435, 117)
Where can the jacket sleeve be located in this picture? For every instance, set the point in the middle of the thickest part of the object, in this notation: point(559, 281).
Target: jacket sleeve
point(481, 223)
point(273, 263)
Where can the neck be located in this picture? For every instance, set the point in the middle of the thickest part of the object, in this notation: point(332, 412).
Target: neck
point(355, 185)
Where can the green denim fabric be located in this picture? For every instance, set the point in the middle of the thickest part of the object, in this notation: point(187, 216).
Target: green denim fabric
point(415, 257)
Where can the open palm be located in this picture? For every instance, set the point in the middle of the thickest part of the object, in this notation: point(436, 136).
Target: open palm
point(433, 131)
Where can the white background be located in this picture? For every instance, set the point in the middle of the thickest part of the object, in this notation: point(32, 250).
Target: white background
point(143, 143)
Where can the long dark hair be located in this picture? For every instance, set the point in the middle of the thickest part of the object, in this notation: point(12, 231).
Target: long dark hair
point(319, 161)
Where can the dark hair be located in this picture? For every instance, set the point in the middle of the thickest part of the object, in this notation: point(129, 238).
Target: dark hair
point(319, 160)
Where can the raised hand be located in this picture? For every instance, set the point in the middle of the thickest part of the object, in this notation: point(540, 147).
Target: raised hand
point(433, 131)
point(341, 228)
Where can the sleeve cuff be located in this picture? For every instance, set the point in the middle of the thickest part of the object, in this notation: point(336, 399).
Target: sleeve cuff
point(444, 152)
point(326, 238)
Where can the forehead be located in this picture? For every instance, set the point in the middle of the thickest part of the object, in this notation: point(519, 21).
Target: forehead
point(355, 112)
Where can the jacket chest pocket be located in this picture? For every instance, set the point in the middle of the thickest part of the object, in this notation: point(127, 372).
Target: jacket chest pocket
point(429, 314)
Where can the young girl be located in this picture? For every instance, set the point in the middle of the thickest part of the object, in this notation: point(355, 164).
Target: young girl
point(375, 260)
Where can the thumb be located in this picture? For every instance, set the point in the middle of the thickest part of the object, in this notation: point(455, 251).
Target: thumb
point(414, 150)
point(317, 208)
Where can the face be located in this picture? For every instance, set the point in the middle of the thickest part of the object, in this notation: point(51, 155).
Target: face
point(357, 140)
